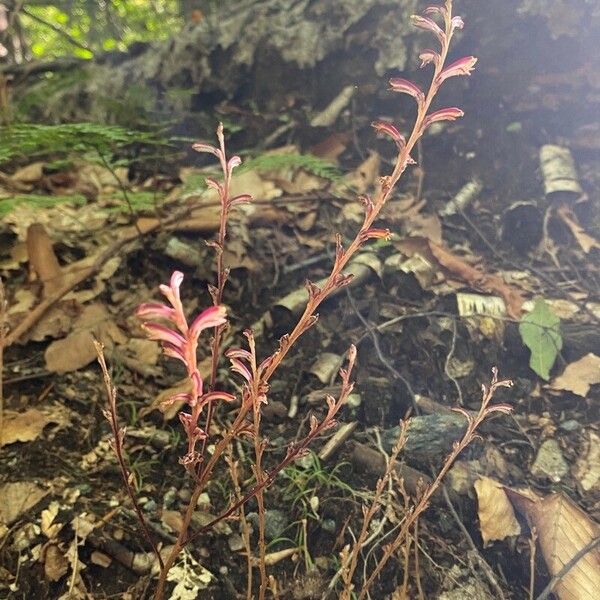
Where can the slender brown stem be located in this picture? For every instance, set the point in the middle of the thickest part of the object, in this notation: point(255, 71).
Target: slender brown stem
point(117, 443)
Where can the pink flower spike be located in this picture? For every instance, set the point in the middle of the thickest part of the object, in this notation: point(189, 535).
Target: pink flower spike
point(428, 56)
point(462, 66)
point(429, 25)
point(444, 114)
point(211, 317)
point(154, 310)
point(389, 129)
point(164, 334)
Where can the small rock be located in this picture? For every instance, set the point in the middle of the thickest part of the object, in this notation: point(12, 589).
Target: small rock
point(149, 506)
point(328, 525)
point(276, 522)
point(184, 494)
point(235, 542)
point(550, 462)
point(570, 425)
point(170, 498)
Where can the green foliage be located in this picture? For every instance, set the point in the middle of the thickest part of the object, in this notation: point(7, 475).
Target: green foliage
point(37, 201)
point(313, 480)
point(140, 202)
point(310, 163)
point(30, 140)
point(540, 332)
point(83, 27)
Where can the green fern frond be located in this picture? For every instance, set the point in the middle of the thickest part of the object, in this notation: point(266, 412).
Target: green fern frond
point(310, 163)
point(37, 201)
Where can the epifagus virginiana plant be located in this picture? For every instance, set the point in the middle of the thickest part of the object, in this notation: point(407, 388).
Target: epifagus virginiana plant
point(168, 324)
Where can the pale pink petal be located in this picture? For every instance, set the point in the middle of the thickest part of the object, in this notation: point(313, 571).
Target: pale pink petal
point(444, 114)
point(233, 162)
point(211, 317)
point(457, 23)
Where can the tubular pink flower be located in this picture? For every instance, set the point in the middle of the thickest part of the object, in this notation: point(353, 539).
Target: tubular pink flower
point(238, 353)
point(212, 396)
point(241, 199)
point(428, 56)
point(233, 162)
point(389, 129)
point(155, 310)
point(200, 147)
point(444, 114)
point(462, 66)
point(214, 184)
point(211, 317)
point(173, 351)
point(239, 367)
point(375, 233)
point(429, 25)
point(397, 84)
point(161, 333)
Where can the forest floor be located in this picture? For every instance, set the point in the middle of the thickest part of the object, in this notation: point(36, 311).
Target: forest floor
point(480, 233)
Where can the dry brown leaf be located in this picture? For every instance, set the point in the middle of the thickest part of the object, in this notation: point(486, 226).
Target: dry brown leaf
point(23, 427)
point(77, 349)
point(496, 515)
point(42, 259)
point(579, 375)
point(17, 498)
point(563, 530)
point(145, 351)
point(584, 239)
point(55, 563)
point(172, 519)
point(365, 176)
